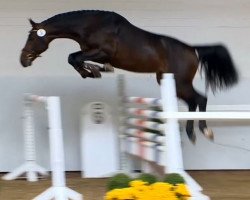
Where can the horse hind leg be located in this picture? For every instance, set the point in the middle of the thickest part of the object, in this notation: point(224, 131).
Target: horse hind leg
point(159, 77)
point(192, 106)
point(202, 103)
point(186, 92)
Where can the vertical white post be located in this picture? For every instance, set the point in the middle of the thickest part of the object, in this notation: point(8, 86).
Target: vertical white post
point(29, 138)
point(173, 161)
point(125, 162)
point(58, 191)
point(29, 167)
point(28, 129)
point(56, 142)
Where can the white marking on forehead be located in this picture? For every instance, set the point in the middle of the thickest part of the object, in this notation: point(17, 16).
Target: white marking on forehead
point(41, 32)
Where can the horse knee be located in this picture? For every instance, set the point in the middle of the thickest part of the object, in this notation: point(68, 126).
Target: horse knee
point(71, 60)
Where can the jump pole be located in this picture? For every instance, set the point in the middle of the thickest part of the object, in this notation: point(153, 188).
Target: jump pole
point(30, 167)
point(58, 191)
point(174, 159)
point(125, 163)
point(174, 164)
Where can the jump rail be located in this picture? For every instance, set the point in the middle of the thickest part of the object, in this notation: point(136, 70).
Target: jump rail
point(190, 115)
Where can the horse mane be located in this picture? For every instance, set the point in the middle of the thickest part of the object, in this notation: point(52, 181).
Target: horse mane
point(65, 15)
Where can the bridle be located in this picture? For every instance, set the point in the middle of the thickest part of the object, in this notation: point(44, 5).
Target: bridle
point(31, 55)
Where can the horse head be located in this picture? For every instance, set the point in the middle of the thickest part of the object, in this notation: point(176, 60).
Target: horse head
point(37, 43)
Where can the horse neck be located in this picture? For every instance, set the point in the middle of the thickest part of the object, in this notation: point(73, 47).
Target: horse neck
point(62, 30)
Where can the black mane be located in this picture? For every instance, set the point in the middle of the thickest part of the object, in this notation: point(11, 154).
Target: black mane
point(77, 13)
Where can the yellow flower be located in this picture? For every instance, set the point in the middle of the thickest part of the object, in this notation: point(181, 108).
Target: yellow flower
point(182, 190)
point(161, 186)
point(137, 183)
point(113, 194)
point(140, 190)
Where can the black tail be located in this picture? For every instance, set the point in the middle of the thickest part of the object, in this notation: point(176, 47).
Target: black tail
point(218, 66)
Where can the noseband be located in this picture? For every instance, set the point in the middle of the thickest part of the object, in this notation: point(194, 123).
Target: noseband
point(31, 54)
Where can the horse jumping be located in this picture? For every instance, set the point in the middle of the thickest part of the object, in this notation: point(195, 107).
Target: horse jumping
point(107, 37)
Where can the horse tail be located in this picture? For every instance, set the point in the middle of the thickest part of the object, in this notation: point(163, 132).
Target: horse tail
point(217, 63)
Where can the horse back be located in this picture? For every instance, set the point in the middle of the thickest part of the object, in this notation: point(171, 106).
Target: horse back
point(138, 50)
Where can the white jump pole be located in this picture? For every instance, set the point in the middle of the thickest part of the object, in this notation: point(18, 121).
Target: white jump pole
point(30, 167)
point(174, 159)
point(174, 162)
point(58, 191)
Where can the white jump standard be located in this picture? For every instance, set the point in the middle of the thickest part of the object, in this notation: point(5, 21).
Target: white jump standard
point(155, 150)
point(30, 168)
point(58, 190)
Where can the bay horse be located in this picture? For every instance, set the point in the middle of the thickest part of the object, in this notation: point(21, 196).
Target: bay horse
point(107, 37)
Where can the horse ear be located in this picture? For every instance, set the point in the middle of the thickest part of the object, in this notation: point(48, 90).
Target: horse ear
point(33, 24)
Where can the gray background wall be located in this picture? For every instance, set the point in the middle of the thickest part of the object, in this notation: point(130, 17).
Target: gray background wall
point(194, 21)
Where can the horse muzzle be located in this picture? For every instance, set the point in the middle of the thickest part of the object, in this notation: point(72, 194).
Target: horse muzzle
point(26, 63)
point(26, 59)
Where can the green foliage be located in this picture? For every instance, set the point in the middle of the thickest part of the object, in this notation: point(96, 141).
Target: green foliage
point(118, 181)
point(173, 178)
point(146, 177)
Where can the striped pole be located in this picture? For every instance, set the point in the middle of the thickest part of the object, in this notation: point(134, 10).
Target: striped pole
point(144, 113)
point(145, 124)
point(141, 100)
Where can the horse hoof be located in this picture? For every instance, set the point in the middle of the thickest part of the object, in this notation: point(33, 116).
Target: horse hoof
point(192, 138)
point(208, 134)
point(108, 68)
point(95, 73)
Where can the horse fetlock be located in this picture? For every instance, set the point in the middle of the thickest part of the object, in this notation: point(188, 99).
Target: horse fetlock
point(202, 125)
point(208, 134)
point(192, 137)
point(191, 134)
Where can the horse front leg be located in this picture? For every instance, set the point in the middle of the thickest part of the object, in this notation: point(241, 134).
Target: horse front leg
point(77, 60)
point(106, 67)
